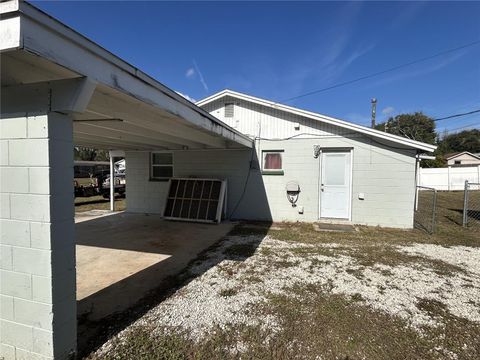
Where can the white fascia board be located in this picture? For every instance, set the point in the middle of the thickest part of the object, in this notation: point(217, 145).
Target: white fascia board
point(56, 42)
point(425, 157)
point(9, 6)
point(323, 118)
point(117, 153)
point(10, 34)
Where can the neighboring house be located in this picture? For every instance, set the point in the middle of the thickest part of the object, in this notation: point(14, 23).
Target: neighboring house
point(464, 158)
point(342, 171)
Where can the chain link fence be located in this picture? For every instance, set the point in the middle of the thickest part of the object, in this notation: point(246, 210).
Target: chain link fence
point(425, 209)
point(471, 205)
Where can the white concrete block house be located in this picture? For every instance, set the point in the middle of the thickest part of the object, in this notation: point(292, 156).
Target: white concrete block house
point(60, 89)
point(345, 172)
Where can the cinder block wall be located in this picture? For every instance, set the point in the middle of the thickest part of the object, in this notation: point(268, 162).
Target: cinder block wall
point(37, 267)
point(385, 175)
point(145, 195)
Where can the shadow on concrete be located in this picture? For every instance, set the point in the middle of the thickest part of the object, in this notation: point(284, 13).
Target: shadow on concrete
point(158, 254)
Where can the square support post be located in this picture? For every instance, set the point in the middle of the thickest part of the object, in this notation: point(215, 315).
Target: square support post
point(37, 241)
point(112, 182)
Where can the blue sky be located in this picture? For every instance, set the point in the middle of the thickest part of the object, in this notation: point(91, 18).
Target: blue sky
point(280, 50)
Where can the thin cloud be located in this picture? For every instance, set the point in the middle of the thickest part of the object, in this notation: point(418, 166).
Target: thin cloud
point(338, 68)
point(407, 13)
point(186, 97)
point(190, 73)
point(200, 75)
point(316, 65)
point(388, 110)
point(325, 62)
point(423, 71)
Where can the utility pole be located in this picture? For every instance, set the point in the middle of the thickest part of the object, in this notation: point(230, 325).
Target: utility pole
point(374, 111)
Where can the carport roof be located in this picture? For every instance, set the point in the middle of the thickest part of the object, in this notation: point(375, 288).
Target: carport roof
point(125, 108)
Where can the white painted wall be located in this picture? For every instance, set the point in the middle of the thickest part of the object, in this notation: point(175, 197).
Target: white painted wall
point(260, 121)
point(449, 178)
point(148, 196)
point(386, 177)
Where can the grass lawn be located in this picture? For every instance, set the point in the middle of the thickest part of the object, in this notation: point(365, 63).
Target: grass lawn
point(287, 291)
point(97, 203)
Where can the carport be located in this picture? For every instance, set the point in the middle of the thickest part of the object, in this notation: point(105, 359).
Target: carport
point(61, 89)
point(121, 258)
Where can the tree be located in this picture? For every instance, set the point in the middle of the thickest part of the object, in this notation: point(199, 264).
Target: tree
point(467, 140)
point(89, 154)
point(417, 126)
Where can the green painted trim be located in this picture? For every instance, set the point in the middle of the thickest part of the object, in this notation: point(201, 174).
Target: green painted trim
point(279, 172)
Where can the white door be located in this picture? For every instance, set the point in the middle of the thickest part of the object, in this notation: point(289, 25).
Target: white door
point(335, 181)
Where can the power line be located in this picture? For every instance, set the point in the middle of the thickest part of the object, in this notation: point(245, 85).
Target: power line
point(463, 127)
point(382, 72)
point(457, 115)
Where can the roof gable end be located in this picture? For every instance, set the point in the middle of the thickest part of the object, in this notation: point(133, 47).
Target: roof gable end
point(463, 153)
point(322, 118)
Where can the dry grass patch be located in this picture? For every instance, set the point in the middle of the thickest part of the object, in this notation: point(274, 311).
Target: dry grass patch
point(83, 204)
point(317, 326)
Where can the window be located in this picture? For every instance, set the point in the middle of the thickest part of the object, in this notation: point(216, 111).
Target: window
point(272, 162)
point(161, 166)
point(229, 110)
point(458, 162)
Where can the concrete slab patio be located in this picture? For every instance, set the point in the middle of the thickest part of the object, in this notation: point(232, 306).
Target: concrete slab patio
point(121, 257)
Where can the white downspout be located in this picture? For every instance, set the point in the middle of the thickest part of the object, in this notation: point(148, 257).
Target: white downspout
point(112, 182)
point(417, 179)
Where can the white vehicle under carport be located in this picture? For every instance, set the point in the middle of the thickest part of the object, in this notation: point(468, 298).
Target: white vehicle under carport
point(120, 185)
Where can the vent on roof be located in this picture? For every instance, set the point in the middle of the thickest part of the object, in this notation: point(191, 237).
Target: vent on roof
point(195, 200)
point(229, 110)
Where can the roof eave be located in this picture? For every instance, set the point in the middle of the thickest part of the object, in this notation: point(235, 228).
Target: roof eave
point(73, 51)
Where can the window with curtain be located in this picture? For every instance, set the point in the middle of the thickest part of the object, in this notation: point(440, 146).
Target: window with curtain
point(161, 166)
point(272, 162)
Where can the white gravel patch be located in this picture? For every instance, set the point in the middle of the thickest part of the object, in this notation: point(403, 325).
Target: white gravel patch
point(276, 266)
point(468, 258)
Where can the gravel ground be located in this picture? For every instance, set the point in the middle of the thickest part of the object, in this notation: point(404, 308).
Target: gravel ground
point(229, 288)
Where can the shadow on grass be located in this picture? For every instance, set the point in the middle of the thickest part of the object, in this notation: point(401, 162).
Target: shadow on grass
point(471, 215)
point(92, 202)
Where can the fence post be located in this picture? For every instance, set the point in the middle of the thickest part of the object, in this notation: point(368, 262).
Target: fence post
point(448, 178)
point(417, 180)
point(465, 203)
point(434, 211)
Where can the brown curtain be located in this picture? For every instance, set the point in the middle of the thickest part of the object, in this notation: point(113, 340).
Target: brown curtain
point(273, 161)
